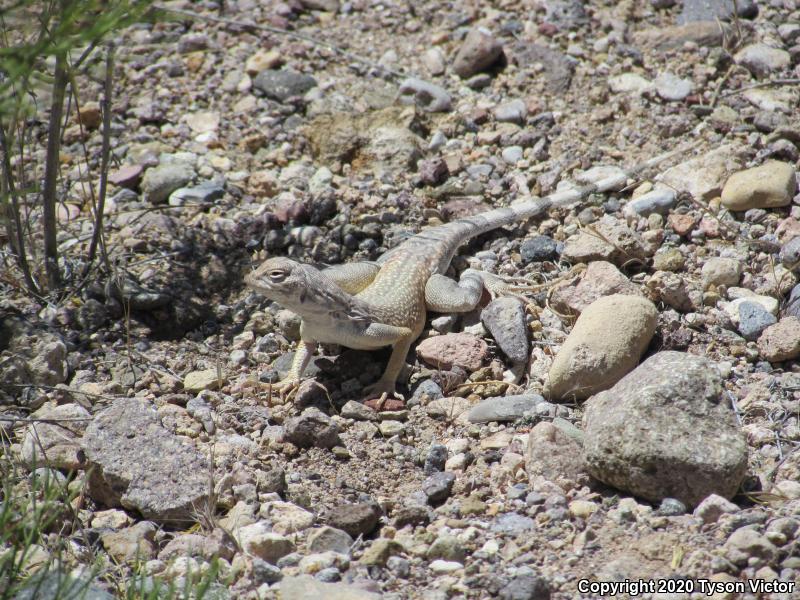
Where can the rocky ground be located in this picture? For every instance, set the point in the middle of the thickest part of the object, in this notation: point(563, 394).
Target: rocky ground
point(532, 456)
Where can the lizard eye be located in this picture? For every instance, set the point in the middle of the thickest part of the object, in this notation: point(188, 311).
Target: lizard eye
point(277, 274)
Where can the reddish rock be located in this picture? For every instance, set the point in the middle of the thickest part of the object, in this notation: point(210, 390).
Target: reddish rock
point(454, 349)
point(389, 405)
point(479, 51)
point(682, 224)
point(781, 341)
point(129, 176)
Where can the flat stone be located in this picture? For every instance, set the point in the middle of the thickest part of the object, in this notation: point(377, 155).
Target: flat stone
point(507, 408)
point(606, 342)
point(512, 524)
point(666, 430)
point(447, 408)
point(305, 587)
point(609, 240)
point(600, 279)
point(358, 411)
point(136, 463)
point(453, 349)
point(766, 186)
point(207, 379)
point(127, 176)
point(326, 539)
point(702, 177)
point(660, 201)
point(505, 320)
point(283, 84)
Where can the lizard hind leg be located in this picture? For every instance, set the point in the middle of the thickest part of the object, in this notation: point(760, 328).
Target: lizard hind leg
point(444, 295)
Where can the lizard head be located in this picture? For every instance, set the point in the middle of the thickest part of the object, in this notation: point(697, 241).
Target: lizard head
point(300, 288)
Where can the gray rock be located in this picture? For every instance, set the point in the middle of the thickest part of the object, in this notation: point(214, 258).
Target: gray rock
point(745, 544)
point(567, 14)
point(305, 587)
point(659, 201)
point(512, 524)
point(505, 319)
point(753, 319)
point(792, 308)
point(159, 182)
point(761, 60)
point(479, 51)
point(428, 388)
point(446, 547)
point(435, 459)
point(56, 444)
point(426, 95)
point(525, 586)
point(508, 408)
point(671, 507)
point(512, 154)
point(358, 411)
point(438, 486)
point(136, 463)
point(312, 428)
point(711, 10)
point(263, 572)
point(538, 249)
point(558, 68)
point(790, 253)
point(355, 519)
point(513, 111)
point(56, 585)
point(205, 192)
point(666, 430)
point(329, 539)
point(672, 88)
point(282, 84)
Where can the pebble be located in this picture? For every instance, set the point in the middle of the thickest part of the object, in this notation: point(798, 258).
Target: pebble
point(538, 249)
point(504, 318)
point(283, 84)
point(479, 51)
point(434, 61)
point(671, 507)
point(613, 331)
point(721, 271)
point(713, 507)
point(453, 349)
point(629, 83)
point(203, 193)
point(699, 449)
point(435, 459)
point(508, 408)
point(512, 154)
point(754, 319)
point(312, 428)
point(443, 567)
point(514, 111)
point(355, 519)
point(391, 428)
point(128, 176)
point(761, 59)
point(672, 88)
point(525, 586)
point(258, 540)
point(427, 96)
point(659, 201)
point(511, 523)
point(437, 487)
point(670, 259)
point(329, 539)
point(781, 341)
point(159, 182)
point(769, 185)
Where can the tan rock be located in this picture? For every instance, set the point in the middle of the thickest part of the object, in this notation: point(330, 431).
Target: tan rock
point(605, 344)
point(769, 185)
point(207, 379)
point(781, 341)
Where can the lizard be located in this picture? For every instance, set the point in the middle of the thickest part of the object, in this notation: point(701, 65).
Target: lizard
point(369, 305)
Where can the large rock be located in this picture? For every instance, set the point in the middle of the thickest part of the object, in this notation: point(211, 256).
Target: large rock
point(600, 279)
point(702, 177)
point(306, 587)
point(134, 462)
point(479, 51)
point(769, 185)
point(56, 444)
point(666, 430)
point(555, 456)
point(606, 342)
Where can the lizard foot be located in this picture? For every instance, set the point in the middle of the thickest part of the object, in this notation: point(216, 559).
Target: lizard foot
point(382, 395)
point(285, 390)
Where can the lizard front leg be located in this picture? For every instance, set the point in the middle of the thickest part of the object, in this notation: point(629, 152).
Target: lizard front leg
point(401, 339)
point(302, 356)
